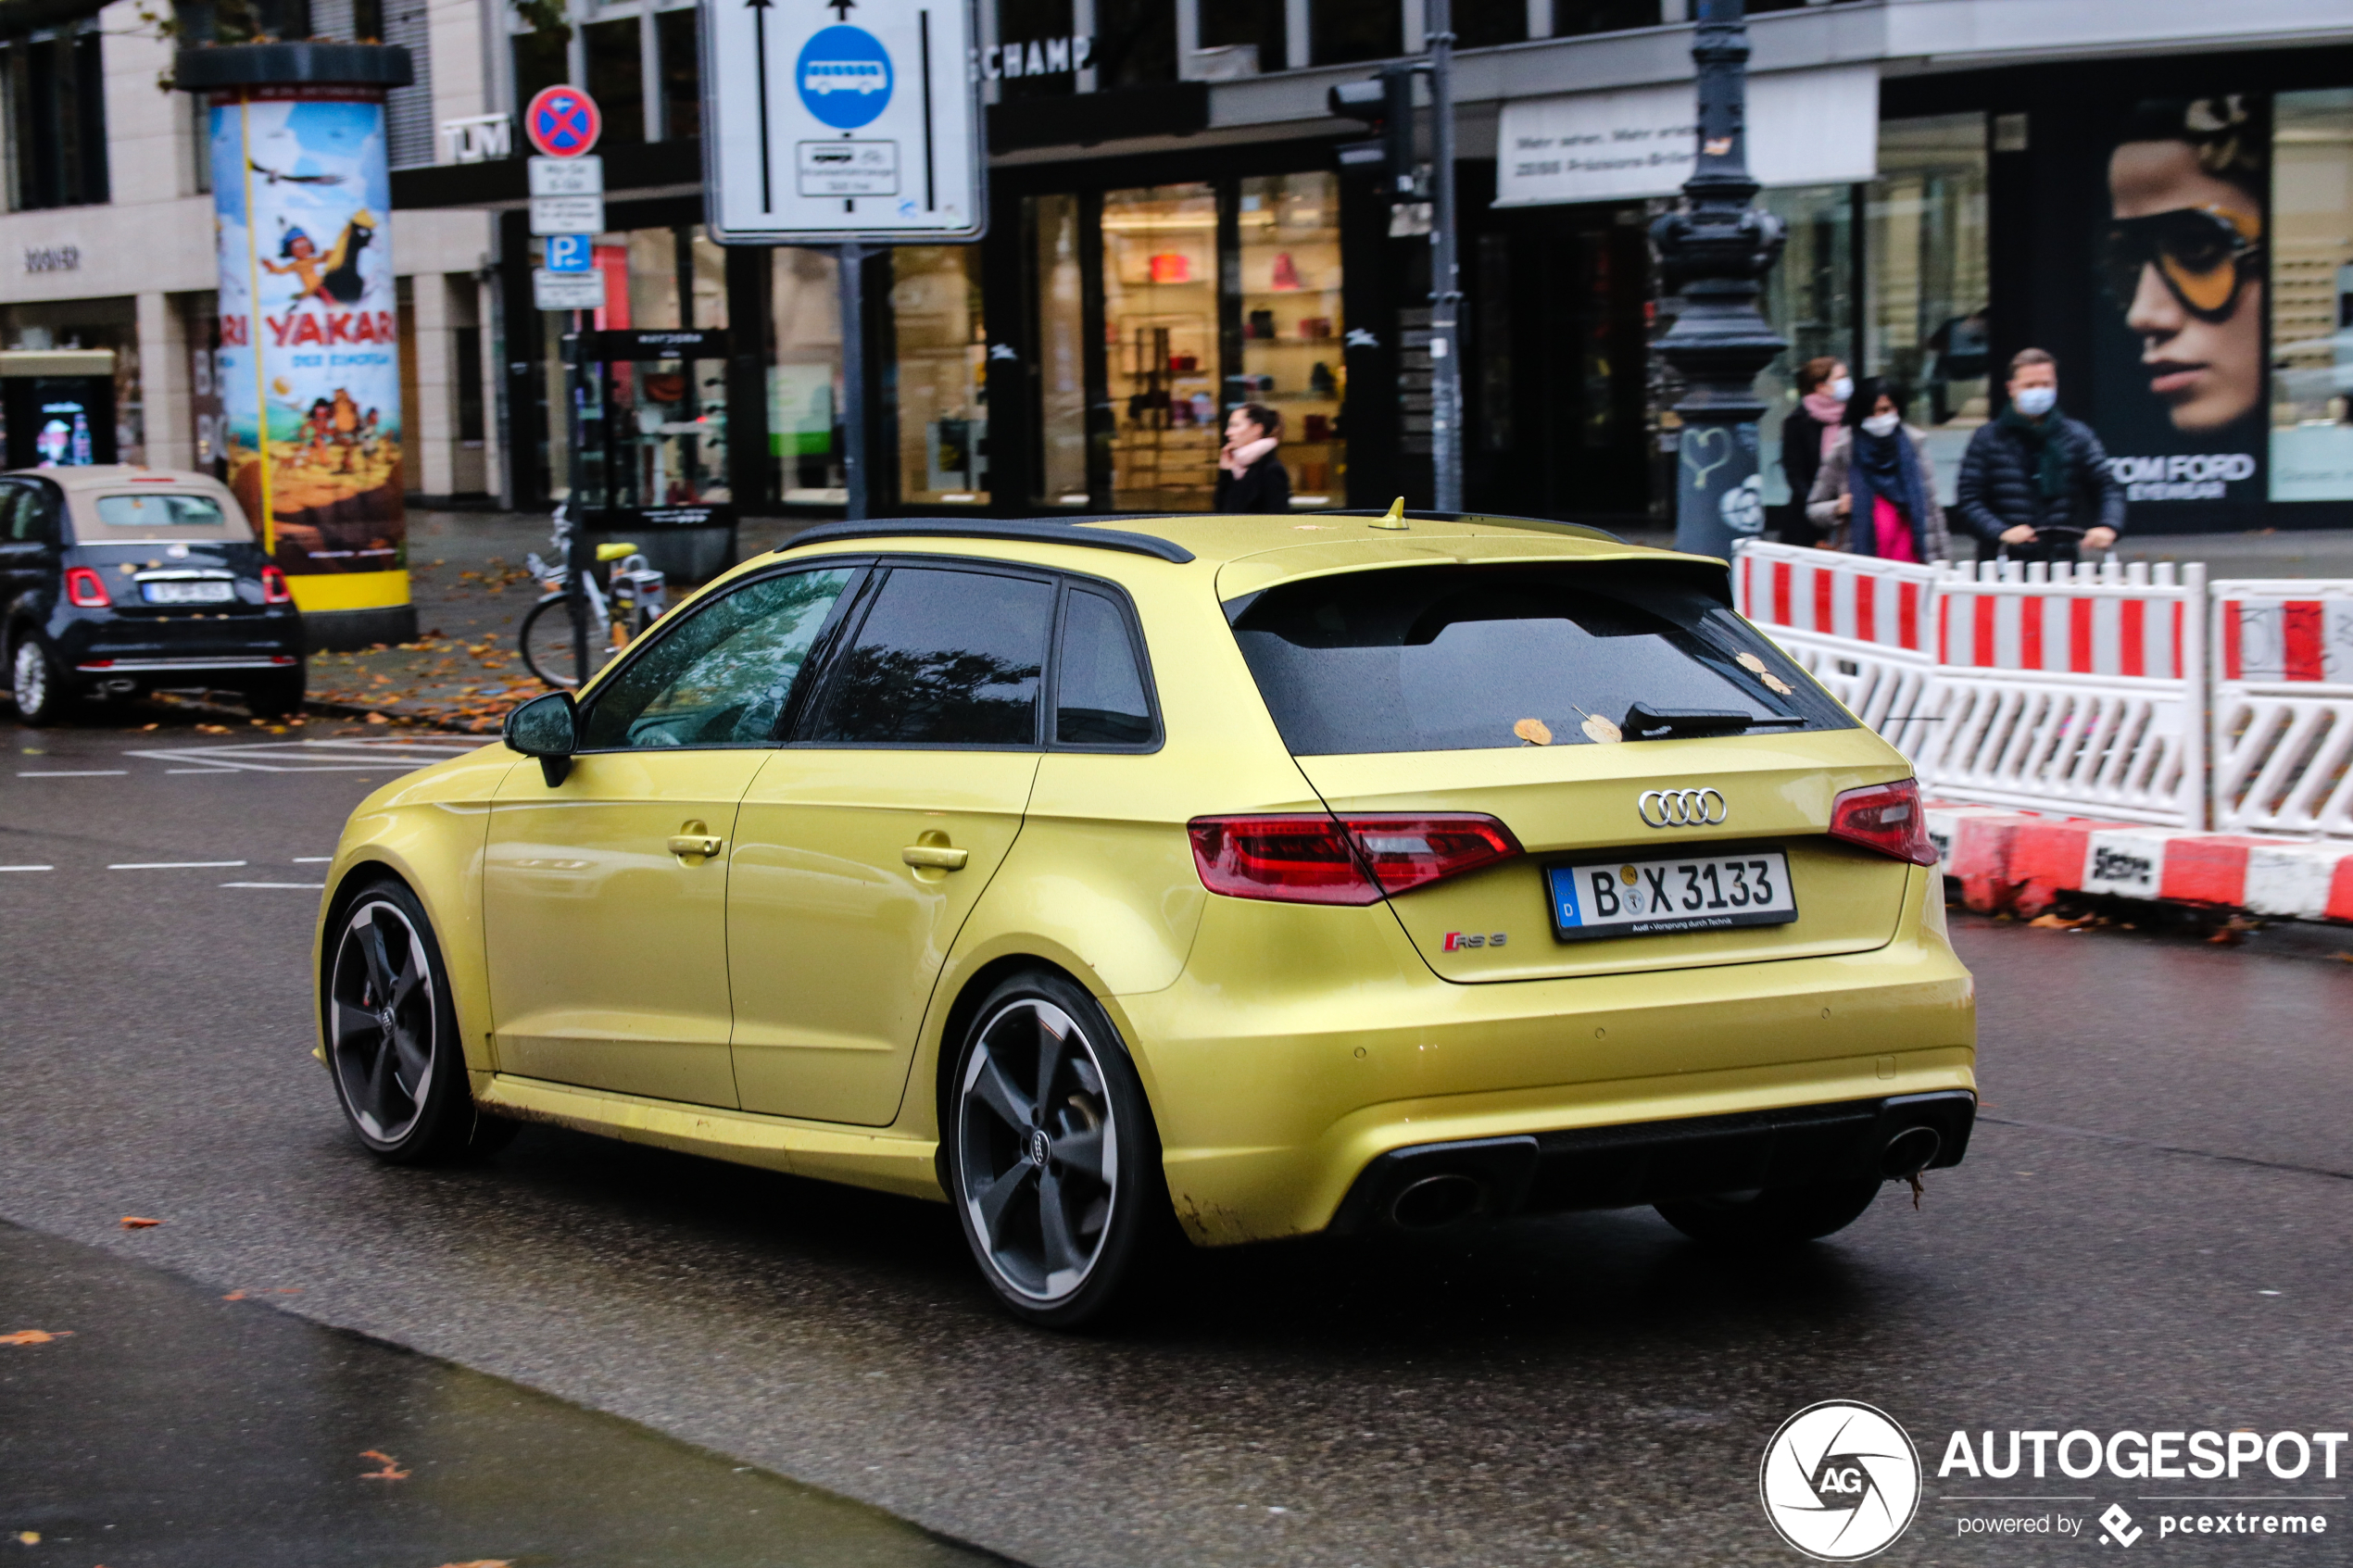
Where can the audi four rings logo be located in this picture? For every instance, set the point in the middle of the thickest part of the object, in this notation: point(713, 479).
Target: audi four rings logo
point(1682, 808)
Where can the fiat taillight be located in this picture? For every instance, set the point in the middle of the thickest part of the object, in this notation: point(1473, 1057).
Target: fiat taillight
point(1887, 818)
point(1357, 859)
point(85, 589)
point(274, 588)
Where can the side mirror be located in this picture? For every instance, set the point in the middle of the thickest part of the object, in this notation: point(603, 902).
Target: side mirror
point(548, 728)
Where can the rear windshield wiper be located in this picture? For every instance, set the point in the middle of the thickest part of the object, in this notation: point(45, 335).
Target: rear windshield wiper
point(1645, 723)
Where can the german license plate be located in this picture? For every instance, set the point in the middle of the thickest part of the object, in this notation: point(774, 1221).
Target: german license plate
point(201, 592)
point(1655, 897)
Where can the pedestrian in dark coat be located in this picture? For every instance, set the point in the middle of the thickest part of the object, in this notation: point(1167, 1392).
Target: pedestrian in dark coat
point(1823, 387)
point(1876, 494)
point(2035, 469)
point(1250, 477)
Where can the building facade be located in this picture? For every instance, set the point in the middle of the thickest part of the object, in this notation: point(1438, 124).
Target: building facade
point(2160, 192)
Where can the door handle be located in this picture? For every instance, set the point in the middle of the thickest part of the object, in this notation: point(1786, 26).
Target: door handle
point(693, 843)
point(934, 857)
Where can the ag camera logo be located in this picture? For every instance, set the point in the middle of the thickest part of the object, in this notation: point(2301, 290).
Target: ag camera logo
point(1840, 1481)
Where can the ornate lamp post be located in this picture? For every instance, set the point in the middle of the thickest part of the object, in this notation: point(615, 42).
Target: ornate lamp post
point(1715, 255)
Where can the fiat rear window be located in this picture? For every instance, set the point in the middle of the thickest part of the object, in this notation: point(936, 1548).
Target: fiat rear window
point(1468, 658)
point(163, 514)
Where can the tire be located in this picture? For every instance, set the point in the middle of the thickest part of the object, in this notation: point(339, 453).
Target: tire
point(1057, 1184)
point(392, 1036)
point(36, 683)
point(276, 698)
point(1773, 1217)
point(547, 643)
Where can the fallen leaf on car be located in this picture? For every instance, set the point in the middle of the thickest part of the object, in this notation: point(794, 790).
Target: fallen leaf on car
point(1535, 731)
point(391, 1471)
point(1601, 730)
point(137, 1223)
point(1750, 663)
point(35, 1335)
point(1775, 683)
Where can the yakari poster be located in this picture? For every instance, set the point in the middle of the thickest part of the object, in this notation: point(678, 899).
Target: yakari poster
point(310, 339)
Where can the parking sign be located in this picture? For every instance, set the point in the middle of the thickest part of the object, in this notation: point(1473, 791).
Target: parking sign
point(837, 121)
point(571, 253)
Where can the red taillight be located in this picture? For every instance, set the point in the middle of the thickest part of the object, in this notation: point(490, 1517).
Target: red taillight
point(85, 589)
point(1354, 859)
point(274, 588)
point(1887, 818)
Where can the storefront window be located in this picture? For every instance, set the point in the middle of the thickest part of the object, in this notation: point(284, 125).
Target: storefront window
point(1292, 326)
point(1809, 299)
point(804, 378)
point(1160, 332)
point(1925, 319)
point(2311, 290)
point(1052, 236)
point(941, 356)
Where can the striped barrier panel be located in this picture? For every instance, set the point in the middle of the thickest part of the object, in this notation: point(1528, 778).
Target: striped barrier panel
point(1860, 626)
point(2282, 713)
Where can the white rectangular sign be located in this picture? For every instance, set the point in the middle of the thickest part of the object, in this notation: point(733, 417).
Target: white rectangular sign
point(567, 291)
point(831, 121)
point(567, 215)
point(1805, 127)
point(583, 176)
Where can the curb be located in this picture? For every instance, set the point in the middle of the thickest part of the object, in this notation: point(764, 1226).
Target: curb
point(2019, 862)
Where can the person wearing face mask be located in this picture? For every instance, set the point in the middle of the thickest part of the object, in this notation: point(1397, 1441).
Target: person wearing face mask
point(1876, 494)
point(2035, 469)
point(1823, 387)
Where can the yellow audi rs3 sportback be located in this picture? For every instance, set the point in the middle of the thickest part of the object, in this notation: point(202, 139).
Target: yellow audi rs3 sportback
point(1282, 875)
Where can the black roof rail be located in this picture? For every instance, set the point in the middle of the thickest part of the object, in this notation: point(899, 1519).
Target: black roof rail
point(1026, 531)
point(1585, 529)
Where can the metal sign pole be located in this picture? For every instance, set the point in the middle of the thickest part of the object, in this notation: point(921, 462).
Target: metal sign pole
point(853, 379)
point(1445, 290)
point(576, 576)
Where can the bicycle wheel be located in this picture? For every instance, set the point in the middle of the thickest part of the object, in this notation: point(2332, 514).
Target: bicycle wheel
point(547, 645)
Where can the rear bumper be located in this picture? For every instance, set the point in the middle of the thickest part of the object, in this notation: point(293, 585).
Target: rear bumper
point(99, 644)
point(1422, 1186)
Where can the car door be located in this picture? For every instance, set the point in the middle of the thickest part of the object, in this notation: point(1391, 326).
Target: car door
point(28, 540)
point(865, 843)
point(604, 896)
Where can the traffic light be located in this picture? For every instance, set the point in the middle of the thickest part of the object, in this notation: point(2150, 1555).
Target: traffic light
point(1385, 103)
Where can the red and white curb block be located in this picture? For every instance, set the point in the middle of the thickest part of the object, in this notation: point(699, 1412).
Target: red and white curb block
point(2020, 861)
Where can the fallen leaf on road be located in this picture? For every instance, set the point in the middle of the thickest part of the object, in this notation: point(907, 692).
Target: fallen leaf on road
point(2053, 922)
point(36, 1337)
point(378, 718)
point(134, 1223)
point(391, 1471)
point(212, 729)
point(30, 1537)
point(484, 1562)
point(234, 1296)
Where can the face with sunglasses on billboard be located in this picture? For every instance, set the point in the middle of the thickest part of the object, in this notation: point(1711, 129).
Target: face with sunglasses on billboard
point(2183, 255)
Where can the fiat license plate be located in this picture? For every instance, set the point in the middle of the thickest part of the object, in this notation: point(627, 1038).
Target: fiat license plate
point(183, 593)
point(1655, 897)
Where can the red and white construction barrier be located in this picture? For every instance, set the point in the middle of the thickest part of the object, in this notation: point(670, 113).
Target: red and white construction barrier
point(2085, 726)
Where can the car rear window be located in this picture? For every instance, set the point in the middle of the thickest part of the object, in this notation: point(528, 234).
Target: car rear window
point(1467, 658)
point(179, 514)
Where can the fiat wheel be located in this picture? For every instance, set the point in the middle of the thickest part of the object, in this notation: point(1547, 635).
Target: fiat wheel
point(35, 684)
point(1053, 1159)
point(392, 1036)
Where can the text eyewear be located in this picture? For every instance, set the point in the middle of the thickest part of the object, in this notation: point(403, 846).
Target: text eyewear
point(2204, 254)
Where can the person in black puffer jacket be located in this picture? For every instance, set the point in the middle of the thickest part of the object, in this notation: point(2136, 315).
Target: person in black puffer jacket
point(2035, 469)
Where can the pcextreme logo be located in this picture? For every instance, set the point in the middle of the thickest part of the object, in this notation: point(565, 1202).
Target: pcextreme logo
point(1840, 1481)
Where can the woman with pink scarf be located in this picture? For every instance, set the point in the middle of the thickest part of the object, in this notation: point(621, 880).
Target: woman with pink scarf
point(1250, 477)
point(1823, 387)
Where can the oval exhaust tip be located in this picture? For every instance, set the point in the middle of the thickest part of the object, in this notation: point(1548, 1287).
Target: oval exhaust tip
point(1909, 1152)
point(1435, 1202)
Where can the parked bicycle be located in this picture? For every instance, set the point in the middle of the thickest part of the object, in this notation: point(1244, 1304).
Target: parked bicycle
point(637, 596)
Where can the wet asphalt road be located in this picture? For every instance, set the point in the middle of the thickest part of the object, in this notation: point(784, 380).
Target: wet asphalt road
point(2151, 1232)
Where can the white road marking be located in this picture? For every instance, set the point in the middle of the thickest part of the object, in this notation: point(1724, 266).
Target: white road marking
point(175, 865)
point(313, 859)
point(355, 754)
point(28, 868)
point(313, 886)
point(77, 774)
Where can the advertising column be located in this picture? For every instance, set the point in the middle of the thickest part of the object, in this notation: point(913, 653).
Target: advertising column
point(310, 360)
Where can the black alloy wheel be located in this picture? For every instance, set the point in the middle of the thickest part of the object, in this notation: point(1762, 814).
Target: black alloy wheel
point(1772, 1217)
point(1053, 1159)
point(392, 1035)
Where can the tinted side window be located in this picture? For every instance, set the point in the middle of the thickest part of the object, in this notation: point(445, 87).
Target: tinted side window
point(722, 677)
point(24, 516)
point(944, 659)
point(1098, 689)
